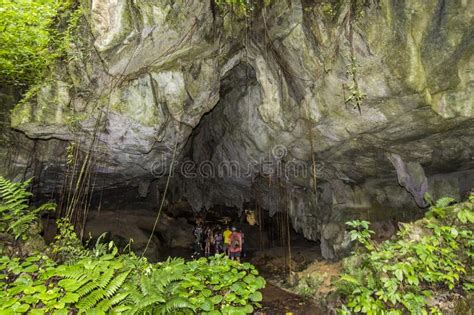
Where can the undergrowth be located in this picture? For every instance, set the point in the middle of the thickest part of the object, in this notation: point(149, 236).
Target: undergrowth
point(404, 275)
point(33, 37)
point(68, 278)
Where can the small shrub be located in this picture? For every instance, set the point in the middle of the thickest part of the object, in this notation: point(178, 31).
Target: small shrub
point(309, 285)
point(66, 246)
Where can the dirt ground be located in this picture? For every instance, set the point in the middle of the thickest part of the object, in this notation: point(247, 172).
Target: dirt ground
point(277, 301)
point(281, 296)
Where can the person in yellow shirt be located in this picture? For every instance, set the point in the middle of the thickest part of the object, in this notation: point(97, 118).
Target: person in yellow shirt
point(227, 234)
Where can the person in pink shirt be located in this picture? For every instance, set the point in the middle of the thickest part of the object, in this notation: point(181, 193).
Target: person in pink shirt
point(235, 245)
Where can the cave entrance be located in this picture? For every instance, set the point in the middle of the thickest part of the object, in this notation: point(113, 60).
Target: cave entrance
point(270, 242)
point(225, 184)
point(210, 195)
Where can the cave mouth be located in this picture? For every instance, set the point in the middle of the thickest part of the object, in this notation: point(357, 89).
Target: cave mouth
point(218, 201)
point(199, 191)
point(234, 195)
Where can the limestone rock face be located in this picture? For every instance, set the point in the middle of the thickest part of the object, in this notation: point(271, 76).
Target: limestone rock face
point(297, 107)
point(136, 228)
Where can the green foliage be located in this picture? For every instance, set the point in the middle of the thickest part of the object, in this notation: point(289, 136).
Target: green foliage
point(309, 285)
point(66, 246)
point(399, 275)
point(221, 284)
point(30, 40)
point(356, 95)
point(241, 8)
point(24, 286)
point(100, 281)
point(216, 285)
point(93, 283)
point(16, 217)
point(115, 283)
point(438, 209)
point(360, 232)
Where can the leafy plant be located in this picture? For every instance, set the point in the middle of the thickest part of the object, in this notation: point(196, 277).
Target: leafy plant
point(399, 275)
point(100, 280)
point(24, 286)
point(241, 8)
point(356, 95)
point(159, 289)
point(30, 40)
point(309, 285)
point(93, 283)
point(125, 283)
point(66, 246)
point(360, 232)
point(16, 217)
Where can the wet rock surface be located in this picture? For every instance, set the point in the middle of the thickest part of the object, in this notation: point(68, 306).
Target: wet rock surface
point(135, 228)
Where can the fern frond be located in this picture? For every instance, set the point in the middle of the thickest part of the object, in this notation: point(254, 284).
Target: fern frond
point(134, 297)
point(70, 272)
point(146, 285)
point(146, 302)
point(175, 304)
point(16, 216)
point(105, 278)
point(90, 300)
point(170, 278)
point(46, 207)
point(106, 304)
point(120, 309)
point(71, 285)
point(116, 283)
point(444, 202)
point(118, 298)
point(21, 224)
point(87, 288)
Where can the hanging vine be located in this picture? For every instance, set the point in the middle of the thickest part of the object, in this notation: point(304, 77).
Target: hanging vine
point(356, 95)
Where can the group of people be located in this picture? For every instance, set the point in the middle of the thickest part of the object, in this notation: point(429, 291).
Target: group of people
point(211, 239)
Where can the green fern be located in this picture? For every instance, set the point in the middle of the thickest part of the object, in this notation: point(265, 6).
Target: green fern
point(16, 216)
point(105, 278)
point(115, 284)
point(146, 285)
point(104, 282)
point(106, 305)
point(119, 309)
point(159, 289)
point(90, 300)
point(445, 201)
point(87, 288)
point(177, 303)
point(95, 282)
